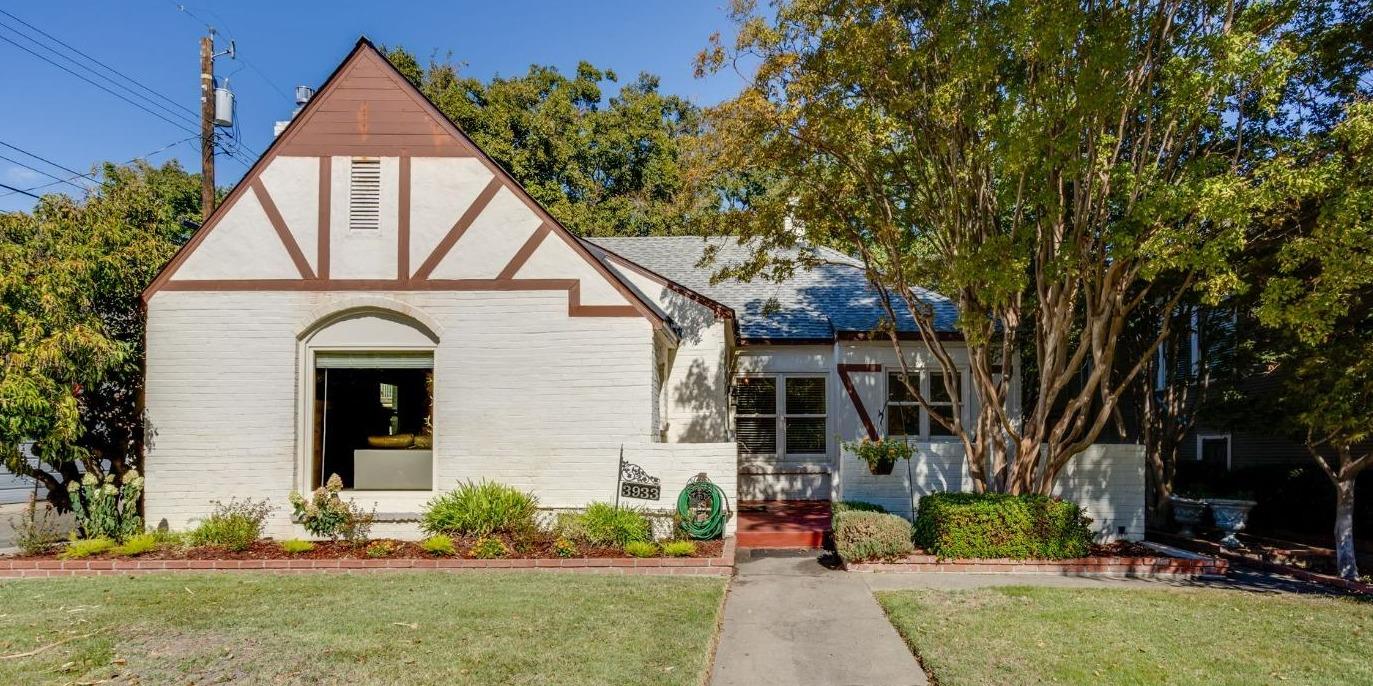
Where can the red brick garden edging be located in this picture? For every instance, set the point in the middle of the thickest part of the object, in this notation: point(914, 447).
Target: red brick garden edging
point(701, 566)
point(1158, 567)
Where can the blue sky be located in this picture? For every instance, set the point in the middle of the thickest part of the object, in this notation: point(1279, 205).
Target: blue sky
point(52, 113)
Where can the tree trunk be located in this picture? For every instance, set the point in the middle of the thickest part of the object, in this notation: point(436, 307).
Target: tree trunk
point(1346, 559)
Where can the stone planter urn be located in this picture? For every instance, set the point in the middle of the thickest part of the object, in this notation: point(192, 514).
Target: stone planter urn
point(1230, 516)
point(1188, 513)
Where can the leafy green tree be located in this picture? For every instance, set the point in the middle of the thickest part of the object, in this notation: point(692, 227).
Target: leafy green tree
point(603, 167)
point(1050, 166)
point(1318, 304)
point(71, 324)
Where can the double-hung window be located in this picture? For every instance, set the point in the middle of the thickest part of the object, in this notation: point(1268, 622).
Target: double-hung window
point(905, 416)
point(780, 415)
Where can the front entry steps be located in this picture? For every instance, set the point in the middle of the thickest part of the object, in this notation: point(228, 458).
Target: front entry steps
point(783, 523)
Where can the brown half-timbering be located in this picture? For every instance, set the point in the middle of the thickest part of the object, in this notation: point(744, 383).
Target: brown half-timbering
point(572, 287)
point(403, 221)
point(283, 232)
point(366, 107)
point(522, 256)
point(459, 228)
point(844, 371)
point(326, 187)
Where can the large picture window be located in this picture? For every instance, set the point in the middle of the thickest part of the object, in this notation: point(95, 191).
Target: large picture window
point(780, 415)
point(905, 416)
point(374, 420)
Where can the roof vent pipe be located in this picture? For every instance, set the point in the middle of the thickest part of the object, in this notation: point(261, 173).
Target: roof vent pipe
point(303, 95)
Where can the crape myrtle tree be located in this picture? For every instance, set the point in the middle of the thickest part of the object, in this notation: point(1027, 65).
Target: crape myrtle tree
point(71, 325)
point(1050, 166)
point(1318, 303)
point(604, 166)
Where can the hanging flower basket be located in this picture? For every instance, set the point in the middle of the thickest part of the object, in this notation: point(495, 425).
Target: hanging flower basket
point(881, 454)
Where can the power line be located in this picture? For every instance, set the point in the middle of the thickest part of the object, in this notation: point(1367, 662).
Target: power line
point(144, 100)
point(261, 74)
point(97, 62)
point(162, 149)
point(18, 190)
point(40, 171)
point(179, 125)
point(44, 159)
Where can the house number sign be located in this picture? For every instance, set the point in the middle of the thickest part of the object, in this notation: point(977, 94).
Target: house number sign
point(636, 483)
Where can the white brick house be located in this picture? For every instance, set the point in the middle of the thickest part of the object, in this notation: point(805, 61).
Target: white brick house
point(378, 299)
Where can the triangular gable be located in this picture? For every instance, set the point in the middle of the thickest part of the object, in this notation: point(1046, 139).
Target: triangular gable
point(471, 227)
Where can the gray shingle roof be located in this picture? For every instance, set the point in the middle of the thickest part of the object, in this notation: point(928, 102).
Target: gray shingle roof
point(816, 303)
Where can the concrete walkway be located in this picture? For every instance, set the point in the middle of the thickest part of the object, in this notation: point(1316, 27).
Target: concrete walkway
point(789, 620)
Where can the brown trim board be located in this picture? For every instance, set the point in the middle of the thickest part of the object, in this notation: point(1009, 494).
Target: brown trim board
point(403, 221)
point(459, 228)
point(525, 251)
point(572, 287)
point(326, 189)
point(283, 232)
point(844, 378)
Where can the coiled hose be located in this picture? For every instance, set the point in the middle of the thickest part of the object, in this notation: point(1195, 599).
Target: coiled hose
point(698, 519)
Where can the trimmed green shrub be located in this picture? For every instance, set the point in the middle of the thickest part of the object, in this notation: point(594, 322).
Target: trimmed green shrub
point(855, 506)
point(86, 547)
point(295, 546)
point(234, 525)
point(997, 525)
point(679, 548)
point(863, 535)
point(136, 545)
point(480, 509)
point(641, 549)
point(489, 548)
point(439, 544)
point(604, 525)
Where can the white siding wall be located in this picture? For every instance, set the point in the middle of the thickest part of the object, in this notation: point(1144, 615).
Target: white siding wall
point(524, 395)
point(697, 383)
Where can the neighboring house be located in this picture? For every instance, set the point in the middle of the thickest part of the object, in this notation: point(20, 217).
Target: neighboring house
point(377, 299)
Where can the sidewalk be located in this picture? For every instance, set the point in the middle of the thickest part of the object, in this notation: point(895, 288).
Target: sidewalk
point(788, 620)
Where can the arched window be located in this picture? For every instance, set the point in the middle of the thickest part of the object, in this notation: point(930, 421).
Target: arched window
point(370, 404)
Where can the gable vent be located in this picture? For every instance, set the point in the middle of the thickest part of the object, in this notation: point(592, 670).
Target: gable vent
point(364, 195)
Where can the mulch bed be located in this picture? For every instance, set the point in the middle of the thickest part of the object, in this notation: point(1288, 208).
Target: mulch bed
point(268, 549)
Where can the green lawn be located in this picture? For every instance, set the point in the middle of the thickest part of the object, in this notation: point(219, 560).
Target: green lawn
point(426, 628)
point(1020, 635)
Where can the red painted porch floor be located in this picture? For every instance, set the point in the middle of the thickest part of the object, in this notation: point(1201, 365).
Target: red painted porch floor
point(783, 523)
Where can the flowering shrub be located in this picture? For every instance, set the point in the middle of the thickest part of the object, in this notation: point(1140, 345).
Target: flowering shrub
point(565, 548)
point(324, 513)
point(489, 548)
point(104, 509)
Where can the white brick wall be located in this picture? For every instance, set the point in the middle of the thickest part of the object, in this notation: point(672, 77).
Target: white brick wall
point(524, 395)
point(1106, 480)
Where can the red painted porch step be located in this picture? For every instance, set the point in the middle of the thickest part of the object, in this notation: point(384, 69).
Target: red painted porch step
point(783, 523)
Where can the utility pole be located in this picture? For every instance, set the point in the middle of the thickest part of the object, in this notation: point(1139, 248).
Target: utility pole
point(207, 125)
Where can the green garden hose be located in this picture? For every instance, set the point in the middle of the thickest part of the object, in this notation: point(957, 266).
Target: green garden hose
point(701, 509)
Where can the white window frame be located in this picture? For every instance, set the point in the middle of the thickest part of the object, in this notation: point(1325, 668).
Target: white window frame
point(1229, 446)
point(780, 417)
point(887, 403)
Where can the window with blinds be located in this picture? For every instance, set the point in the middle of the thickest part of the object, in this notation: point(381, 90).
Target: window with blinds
point(364, 195)
point(776, 415)
point(755, 415)
point(905, 417)
point(805, 415)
